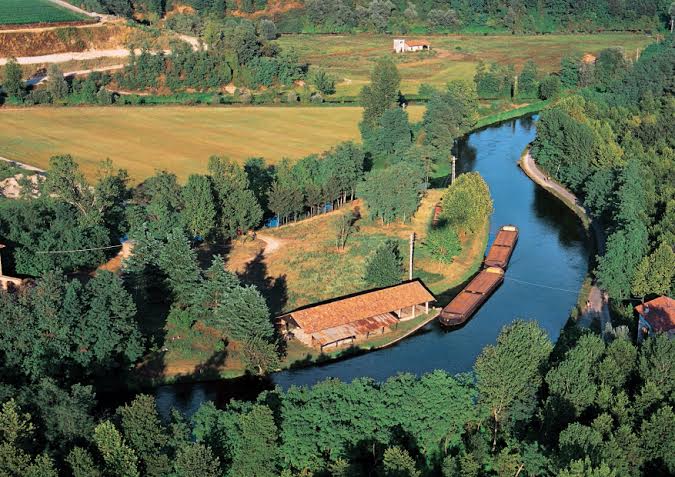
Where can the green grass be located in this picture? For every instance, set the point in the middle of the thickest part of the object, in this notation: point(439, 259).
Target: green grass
point(351, 57)
point(21, 12)
point(512, 113)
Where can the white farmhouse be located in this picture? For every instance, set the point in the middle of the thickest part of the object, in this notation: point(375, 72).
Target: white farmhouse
point(401, 45)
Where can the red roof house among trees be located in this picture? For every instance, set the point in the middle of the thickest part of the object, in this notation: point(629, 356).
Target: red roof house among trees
point(656, 316)
point(345, 320)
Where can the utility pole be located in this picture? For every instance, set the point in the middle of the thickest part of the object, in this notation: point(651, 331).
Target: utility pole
point(412, 250)
point(454, 159)
point(1, 247)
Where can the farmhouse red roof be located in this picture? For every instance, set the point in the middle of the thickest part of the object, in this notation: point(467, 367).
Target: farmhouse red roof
point(417, 43)
point(362, 306)
point(659, 312)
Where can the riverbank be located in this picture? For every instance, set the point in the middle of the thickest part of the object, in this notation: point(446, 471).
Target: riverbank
point(596, 300)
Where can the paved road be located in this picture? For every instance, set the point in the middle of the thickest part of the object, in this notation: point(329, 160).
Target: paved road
point(597, 304)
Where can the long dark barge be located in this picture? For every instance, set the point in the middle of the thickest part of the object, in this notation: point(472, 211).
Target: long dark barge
point(483, 285)
point(502, 248)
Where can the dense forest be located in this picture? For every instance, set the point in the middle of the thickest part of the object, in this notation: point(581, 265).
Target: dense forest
point(581, 408)
point(407, 16)
point(613, 145)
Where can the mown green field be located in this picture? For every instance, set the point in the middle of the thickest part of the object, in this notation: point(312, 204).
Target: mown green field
point(350, 57)
point(20, 12)
point(178, 139)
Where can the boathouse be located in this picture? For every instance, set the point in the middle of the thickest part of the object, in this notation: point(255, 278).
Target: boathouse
point(401, 45)
point(343, 321)
point(656, 316)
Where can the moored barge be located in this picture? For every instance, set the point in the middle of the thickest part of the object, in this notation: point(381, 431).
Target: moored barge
point(469, 300)
point(502, 248)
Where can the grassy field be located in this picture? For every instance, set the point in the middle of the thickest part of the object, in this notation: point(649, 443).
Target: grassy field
point(21, 12)
point(350, 57)
point(311, 269)
point(178, 139)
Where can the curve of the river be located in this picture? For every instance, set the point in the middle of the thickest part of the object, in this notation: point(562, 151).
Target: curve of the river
point(542, 281)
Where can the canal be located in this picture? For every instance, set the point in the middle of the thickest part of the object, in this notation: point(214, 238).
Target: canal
point(542, 281)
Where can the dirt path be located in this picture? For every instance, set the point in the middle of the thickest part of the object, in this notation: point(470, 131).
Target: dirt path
point(271, 244)
point(41, 78)
point(70, 56)
point(597, 303)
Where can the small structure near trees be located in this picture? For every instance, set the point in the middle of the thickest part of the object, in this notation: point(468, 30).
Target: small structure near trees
point(401, 45)
point(345, 320)
point(656, 316)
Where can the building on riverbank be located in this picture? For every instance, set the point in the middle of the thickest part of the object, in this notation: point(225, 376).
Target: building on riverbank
point(349, 319)
point(656, 316)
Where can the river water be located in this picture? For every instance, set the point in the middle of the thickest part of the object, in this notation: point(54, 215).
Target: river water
point(542, 281)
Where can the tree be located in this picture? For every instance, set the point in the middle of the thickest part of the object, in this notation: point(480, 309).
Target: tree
point(584, 468)
point(449, 115)
point(393, 193)
point(573, 380)
point(609, 66)
point(382, 93)
point(244, 314)
point(324, 82)
point(393, 135)
point(108, 334)
point(527, 81)
point(255, 451)
point(398, 463)
point(549, 88)
point(178, 260)
point(509, 373)
point(624, 251)
point(655, 438)
point(13, 82)
point(260, 356)
point(199, 212)
point(385, 267)
point(56, 85)
point(655, 273)
point(164, 203)
point(82, 464)
point(344, 227)
point(466, 204)
point(120, 460)
point(143, 430)
point(196, 460)
point(237, 207)
point(569, 71)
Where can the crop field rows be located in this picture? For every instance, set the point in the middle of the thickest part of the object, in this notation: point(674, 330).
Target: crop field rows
point(22, 12)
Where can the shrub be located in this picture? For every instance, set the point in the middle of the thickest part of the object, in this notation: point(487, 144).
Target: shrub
point(267, 30)
point(443, 243)
point(324, 82)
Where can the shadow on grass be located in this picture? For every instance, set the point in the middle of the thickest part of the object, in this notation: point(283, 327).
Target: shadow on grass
point(274, 289)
